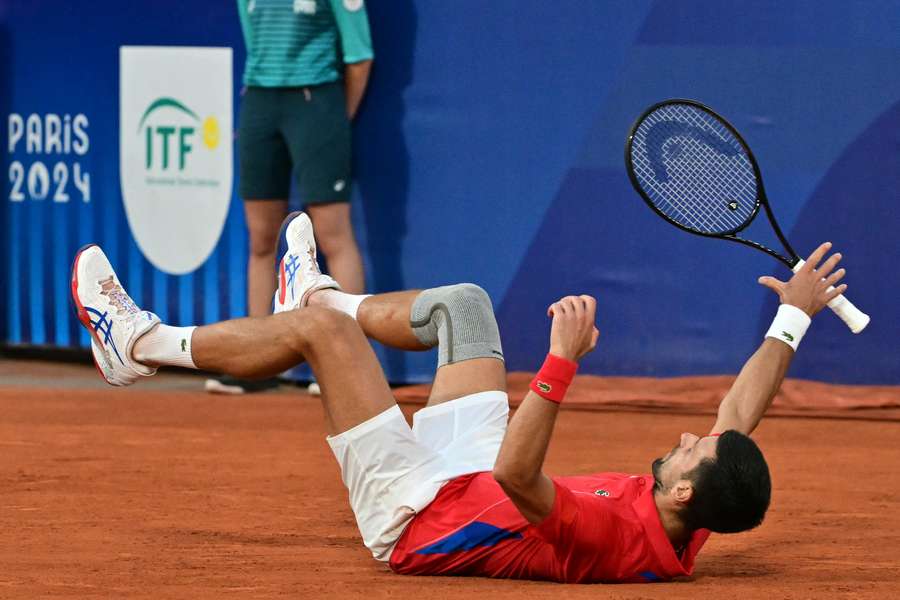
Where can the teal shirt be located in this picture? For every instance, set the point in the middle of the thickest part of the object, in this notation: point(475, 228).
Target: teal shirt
point(302, 42)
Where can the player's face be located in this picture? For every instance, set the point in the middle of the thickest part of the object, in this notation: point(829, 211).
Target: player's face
point(683, 458)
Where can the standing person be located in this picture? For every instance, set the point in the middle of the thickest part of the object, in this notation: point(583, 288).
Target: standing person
point(462, 492)
point(308, 64)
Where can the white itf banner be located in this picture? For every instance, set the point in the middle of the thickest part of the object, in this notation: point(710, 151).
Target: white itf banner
point(175, 150)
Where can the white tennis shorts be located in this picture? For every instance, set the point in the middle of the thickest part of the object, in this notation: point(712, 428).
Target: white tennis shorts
point(392, 472)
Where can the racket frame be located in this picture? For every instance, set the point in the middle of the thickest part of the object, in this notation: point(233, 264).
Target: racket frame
point(761, 199)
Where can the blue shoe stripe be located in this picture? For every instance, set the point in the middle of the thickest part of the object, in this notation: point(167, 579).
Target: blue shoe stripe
point(290, 261)
point(291, 266)
point(104, 326)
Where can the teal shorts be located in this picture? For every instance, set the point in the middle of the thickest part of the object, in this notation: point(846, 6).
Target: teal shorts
point(303, 130)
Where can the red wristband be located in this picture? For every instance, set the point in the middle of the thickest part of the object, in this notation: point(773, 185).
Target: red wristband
point(552, 381)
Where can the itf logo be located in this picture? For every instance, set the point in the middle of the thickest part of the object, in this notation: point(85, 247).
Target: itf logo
point(161, 137)
point(175, 150)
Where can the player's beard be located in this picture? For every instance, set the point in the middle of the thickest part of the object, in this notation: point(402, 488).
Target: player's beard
point(657, 465)
point(655, 468)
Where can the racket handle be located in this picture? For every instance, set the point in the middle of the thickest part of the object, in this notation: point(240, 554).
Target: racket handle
point(855, 319)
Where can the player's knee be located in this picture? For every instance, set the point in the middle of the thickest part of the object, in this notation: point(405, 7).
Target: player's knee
point(460, 320)
point(474, 294)
point(319, 326)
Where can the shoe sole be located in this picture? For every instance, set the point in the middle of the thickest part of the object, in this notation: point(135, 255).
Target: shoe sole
point(281, 250)
point(81, 313)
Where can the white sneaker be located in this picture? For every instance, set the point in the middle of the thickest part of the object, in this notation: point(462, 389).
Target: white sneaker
point(110, 316)
point(298, 271)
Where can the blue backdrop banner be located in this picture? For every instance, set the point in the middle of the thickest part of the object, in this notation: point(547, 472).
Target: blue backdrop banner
point(489, 149)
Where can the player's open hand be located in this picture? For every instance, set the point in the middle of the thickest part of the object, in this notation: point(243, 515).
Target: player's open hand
point(573, 333)
point(810, 289)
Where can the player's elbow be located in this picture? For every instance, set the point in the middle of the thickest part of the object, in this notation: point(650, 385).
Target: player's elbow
point(510, 479)
point(502, 475)
point(510, 486)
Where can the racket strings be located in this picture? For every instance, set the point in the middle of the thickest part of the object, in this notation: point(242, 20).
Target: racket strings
point(693, 170)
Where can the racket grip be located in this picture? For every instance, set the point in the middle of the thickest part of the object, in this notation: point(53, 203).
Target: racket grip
point(855, 319)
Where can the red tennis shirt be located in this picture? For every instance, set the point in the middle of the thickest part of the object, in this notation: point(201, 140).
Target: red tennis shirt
point(603, 527)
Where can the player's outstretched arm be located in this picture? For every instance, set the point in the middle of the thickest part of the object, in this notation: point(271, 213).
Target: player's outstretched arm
point(521, 457)
point(755, 387)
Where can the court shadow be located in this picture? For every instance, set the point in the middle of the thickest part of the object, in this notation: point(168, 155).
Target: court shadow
point(734, 568)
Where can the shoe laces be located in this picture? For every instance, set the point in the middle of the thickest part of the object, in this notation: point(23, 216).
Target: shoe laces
point(118, 297)
point(312, 266)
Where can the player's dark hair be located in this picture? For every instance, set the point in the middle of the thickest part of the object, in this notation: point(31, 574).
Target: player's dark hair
point(731, 491)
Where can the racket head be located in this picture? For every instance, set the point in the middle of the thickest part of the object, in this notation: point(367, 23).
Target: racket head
point(693, 168)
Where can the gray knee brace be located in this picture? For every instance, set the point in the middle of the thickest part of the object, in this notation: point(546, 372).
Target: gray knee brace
point(458, 319)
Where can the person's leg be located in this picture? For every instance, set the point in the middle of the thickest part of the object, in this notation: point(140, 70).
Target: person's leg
point(458, 318)
point(258, 347)
point(318, 136)
point(448, 439)
point(382, 317)
point(388, 473)
point(465, 419)
point(263, 218)
point(264, 184)
point(337, 242)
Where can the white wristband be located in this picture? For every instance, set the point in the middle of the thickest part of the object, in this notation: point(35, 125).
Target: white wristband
point(789, 325)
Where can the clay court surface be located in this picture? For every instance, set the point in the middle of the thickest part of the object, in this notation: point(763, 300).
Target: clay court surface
point(161, 491)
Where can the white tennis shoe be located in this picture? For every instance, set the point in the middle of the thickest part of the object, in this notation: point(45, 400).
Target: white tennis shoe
point(110, 316)
point(298, 271)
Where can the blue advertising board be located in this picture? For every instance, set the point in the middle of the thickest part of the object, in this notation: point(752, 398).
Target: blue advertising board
point(490, 149)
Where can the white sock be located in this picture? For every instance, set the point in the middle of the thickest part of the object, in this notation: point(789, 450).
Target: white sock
point(166, 345)
point(346, 303)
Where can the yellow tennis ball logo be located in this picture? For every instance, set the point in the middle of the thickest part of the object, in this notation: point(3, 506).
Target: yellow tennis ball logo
point(211, 133)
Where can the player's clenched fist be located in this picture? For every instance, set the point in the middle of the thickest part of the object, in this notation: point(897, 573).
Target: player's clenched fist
point(573, 333)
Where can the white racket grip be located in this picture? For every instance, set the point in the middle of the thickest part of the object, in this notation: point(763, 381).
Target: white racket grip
point(855, 319)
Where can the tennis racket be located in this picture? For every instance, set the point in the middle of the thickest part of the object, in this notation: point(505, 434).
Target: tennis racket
point(696, 171)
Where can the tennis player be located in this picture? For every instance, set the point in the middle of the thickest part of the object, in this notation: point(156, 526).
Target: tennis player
point(460, 492)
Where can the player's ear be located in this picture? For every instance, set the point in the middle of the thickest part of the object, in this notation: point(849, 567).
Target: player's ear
point(683, 491)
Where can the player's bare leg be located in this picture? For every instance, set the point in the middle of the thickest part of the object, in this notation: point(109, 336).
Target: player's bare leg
point(469, 377)
point(261, 347)
point(129, 343)
point(386, 318)
point(383, 317)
